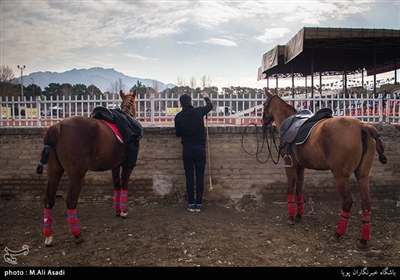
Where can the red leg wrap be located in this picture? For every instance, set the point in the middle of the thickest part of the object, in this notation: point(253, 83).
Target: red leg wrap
point(73, 222)
point(343, 222)
point(366, 229)
point(300, 205)
point(117, 195)
point(123, 200)
point(291, 205)
point(48, 222)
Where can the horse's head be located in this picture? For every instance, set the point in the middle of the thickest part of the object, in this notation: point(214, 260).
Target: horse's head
point(275, 109)
point(128, 104)
point(267, 118)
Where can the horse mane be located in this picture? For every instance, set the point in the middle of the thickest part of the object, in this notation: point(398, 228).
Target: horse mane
point(128, 105)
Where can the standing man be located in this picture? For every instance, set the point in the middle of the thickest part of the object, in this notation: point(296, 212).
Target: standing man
point(189, 125)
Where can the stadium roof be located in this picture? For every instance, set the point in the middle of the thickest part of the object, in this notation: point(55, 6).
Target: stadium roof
point(333, 51)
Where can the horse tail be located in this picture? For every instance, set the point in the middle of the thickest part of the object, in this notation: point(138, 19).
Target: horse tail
point(373, 132)
point(50, 139)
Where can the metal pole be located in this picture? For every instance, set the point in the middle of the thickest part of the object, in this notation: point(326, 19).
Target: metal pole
point(152, 109)
point(22, 81)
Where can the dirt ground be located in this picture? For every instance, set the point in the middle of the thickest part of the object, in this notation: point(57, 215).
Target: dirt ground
point(167, 235)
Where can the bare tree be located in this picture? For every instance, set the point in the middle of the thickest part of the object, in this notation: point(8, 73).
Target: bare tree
point(206, 81)
point(193, 82)
point(156, 86)
point(203, 81)
point(209, 82)
point(6, 74)
point(116, 87)
point(180, 82)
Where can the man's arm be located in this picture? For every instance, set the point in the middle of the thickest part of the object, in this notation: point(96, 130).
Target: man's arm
point(209, 104)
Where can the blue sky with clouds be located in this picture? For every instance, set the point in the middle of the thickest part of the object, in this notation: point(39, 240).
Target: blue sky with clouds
point(170, 40)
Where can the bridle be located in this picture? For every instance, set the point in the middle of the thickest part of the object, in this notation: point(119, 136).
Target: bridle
point(265, 120)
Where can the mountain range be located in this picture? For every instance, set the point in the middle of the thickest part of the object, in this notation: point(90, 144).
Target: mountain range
point(100, 77)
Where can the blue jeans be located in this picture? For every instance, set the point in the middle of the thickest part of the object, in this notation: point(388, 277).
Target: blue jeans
point(194, 162)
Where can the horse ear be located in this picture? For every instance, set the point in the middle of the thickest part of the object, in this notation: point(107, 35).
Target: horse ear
point(276, 91)
point(122, 94)
point(134, 93)
point(266, 92)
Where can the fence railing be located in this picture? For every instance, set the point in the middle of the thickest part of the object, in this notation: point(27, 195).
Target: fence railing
point(232, 109)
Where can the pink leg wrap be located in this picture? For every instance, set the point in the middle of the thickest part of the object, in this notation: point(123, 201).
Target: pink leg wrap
point(300, 205)
point(117, 195)
point(365, 231)
point(343, 222)
point(123, 200)
point(291, 205)
point(48, 222)
point(73, 222)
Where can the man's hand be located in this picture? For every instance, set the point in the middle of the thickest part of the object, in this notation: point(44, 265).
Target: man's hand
point(205, 94)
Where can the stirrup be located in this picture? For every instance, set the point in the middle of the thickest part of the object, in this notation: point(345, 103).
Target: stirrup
point(291, 161)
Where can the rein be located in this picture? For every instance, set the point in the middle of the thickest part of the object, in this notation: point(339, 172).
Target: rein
point(277, 147)
point(267, 127)
point(264, 140)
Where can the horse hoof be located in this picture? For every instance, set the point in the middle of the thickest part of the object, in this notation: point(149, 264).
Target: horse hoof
point(290, 221)
point(335, 238)
point(78, 238)
point(48, 241)
point(124, 214)
point(298, 218)
point(363, 244)
point(118, 213)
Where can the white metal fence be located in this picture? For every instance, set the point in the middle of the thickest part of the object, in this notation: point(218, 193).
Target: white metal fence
point(242, 110)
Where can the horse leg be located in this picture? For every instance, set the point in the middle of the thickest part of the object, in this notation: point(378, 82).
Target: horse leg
point(299, 194)
point(363, 183)
point(366, 211)
point(115, 173)
point(54, 174)
point(127, 167)
point(342, 185)
point(125, 175)
point(291, 204)
point(72, 202)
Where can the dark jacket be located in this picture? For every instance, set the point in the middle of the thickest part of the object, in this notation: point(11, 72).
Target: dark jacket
point(189, 124)
point(130, 128)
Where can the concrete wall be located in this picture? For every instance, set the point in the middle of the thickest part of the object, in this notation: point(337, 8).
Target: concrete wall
point(237, 175)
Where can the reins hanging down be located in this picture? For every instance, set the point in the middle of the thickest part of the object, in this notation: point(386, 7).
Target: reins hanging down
point(260, 147)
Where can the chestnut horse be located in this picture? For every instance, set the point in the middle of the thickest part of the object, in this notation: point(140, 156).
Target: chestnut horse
point(74, 146)
point(344, 145)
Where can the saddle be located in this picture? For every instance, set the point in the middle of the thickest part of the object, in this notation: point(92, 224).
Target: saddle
point(295, 129)
point(291, 125)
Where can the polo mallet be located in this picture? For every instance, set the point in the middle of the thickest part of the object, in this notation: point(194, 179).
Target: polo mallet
point(208, 153)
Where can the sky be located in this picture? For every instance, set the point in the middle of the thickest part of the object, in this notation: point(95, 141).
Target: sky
point(170, 41)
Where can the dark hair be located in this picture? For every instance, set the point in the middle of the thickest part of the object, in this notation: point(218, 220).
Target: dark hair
point(185, 100)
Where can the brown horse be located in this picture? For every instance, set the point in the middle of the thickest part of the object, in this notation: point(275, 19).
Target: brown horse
point(343, 145)
point(74, 146)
